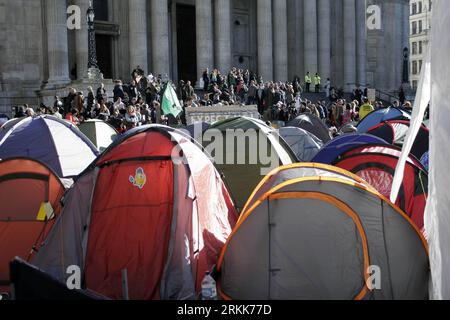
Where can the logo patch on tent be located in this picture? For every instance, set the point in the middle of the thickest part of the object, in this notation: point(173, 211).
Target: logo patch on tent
point(140, 179)
point(46, 212)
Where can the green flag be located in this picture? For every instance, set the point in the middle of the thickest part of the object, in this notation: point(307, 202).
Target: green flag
point(170, 103)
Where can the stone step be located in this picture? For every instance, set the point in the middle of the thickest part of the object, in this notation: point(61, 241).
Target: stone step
point(313, 96)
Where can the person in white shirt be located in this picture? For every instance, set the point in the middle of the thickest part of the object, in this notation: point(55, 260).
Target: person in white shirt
point(119, 104)
point(328, 87)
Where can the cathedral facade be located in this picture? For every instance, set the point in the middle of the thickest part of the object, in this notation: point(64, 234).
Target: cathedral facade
point(278, 39)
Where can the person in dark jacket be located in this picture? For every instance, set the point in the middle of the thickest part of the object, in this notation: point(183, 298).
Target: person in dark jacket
point(252, 93)
point(133, 91)
point(118, 91)
point(180, 91)
point(20, 113)
point(188, 90)
point(206, 81)
point(101, 92)
point(90, 103)
point(68, 101)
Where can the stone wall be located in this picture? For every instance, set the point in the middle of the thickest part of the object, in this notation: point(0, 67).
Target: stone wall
point(21, 52)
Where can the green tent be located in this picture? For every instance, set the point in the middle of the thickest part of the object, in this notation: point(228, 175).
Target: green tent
point(170, 104)
point(245, 150)
point(99, 132)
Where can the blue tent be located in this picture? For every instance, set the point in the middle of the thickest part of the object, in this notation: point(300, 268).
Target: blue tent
point(56, 143)
point(332, 150)
point(3, 119)
point(425, 161)
point(380, 116)
point(197, 129)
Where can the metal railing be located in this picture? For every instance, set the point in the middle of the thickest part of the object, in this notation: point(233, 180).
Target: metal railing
point(380, 94)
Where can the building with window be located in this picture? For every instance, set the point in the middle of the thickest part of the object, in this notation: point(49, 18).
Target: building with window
point(277, 39)
point(420, 17)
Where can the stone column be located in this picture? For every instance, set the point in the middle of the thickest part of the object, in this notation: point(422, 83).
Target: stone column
point(58, 58)
point(222, 20)
point(205, 36)
point(361, 43)
point(138, 34)
point(295, 38)
point(349, 11)
point(324, 45)
point(310, 29)
point(265, 39)
point(81, 40)
point(160, 37)
point(403, 42)
point(280, 40)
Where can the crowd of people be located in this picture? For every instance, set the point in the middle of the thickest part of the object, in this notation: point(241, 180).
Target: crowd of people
point(132, 104)
point(139, 101)
point(283, 101)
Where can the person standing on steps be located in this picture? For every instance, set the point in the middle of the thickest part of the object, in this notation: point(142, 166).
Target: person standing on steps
point(365, 109)
point(308, 82)
point(317, 82)
point(328, 87)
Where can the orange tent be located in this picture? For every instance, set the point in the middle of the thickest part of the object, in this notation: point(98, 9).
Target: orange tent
point(152, 205)
point(30, 196)
point(316, 232)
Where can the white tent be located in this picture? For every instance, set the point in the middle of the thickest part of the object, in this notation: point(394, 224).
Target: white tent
point(48, 139)
point(433, 88)
point(438, 214)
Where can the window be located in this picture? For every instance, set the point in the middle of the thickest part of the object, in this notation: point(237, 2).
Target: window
point(415, 84)
point(419, 10)
point(420, 26)
point(414, 67)
point(414, 48)
point(420, 47)
point(420, 66)
point(414, 8)
point(414, 27)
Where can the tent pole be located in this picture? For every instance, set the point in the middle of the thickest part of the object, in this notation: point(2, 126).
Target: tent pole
point(125, 294)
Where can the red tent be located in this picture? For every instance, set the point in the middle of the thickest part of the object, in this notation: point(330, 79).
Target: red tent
point(395, 131)
point(377, 164)
point(25, 186)
point(154, 205)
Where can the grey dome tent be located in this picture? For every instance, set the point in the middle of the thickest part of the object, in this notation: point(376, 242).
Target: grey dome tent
point(313, 232)
point(313, 124)
point(304, 144)
point(245, 158)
